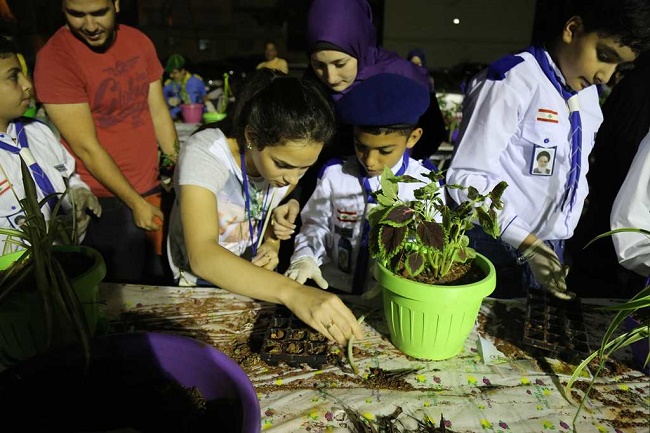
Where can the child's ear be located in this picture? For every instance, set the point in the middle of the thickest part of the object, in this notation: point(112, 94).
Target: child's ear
point(572, 29)
point(414, 138)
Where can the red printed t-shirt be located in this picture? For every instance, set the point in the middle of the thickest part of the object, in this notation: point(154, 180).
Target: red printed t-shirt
point(116, 86)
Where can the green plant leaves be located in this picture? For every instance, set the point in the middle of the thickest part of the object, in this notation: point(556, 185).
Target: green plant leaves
point(52, 283)
point(414, 263)
point(398, 216)
point(429, 234)
point(639, 302)
point(392, 239)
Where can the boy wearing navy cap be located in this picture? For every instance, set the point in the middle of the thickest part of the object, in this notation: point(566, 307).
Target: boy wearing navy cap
point(542, 101)
point(384, 111)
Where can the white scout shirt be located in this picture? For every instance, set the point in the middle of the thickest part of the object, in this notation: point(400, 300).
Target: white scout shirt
point(205, 160)
point(52, 157)
point(332, 219)
point(508, 123)
point(631, 209)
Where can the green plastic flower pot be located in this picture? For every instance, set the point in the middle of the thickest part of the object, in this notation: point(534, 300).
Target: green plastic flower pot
point(429, 321)
point(22, 324)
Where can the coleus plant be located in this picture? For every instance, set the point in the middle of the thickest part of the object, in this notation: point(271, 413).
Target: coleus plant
point(426, 234)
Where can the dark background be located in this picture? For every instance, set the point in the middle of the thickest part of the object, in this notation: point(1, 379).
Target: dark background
point(217, 35)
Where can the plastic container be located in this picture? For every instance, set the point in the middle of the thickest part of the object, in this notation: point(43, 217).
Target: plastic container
point(23, 331)
point(432, 321)
point(555, 327)
point(213, 116)
point(192, 113)
point(291, 341)
point(61, 395)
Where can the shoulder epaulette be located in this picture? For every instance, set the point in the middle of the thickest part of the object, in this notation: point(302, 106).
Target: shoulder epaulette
point(329, 163)
point(497, 70)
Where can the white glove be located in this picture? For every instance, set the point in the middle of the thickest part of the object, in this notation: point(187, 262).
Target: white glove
point(83, 199)
point(306, 268)
point(547, 269)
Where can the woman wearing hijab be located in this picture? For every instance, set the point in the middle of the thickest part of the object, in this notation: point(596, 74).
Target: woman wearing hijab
point(342, 46)
point(343, 51)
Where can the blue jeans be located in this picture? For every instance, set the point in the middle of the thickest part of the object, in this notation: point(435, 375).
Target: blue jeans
point(129, 255)
point(513, 280)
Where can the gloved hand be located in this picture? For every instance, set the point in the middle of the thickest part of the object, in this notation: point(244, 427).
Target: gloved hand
point(83, 199)
point(547, 269)
point(305, 268)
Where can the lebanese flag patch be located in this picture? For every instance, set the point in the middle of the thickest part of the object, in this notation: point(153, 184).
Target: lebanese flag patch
point(546, 115)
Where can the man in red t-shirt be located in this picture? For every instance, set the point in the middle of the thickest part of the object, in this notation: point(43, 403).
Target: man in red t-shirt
point(101, 86)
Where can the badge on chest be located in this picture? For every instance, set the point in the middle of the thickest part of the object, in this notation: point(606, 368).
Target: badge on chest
point(543, 160)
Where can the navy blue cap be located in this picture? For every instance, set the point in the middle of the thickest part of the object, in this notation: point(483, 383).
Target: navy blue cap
point(384, 100)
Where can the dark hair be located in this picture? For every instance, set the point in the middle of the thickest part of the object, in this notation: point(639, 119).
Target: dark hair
point(278, 108)
point(404, 130)
point(7, 47)
point(543, 153)
point(627, 21)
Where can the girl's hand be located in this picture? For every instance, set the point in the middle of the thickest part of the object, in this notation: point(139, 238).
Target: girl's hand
point(325, 312)
point(283, 219)
point(267, 256)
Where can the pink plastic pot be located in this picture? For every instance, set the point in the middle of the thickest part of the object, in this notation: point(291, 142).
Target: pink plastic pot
point(192, 113)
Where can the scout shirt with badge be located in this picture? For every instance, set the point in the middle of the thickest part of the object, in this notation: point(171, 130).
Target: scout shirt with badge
point(54, 160)
point(511, 114)
point(333, 218)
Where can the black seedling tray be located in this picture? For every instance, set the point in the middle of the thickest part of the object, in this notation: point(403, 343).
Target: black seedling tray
point(291, 341)
point(555, 327)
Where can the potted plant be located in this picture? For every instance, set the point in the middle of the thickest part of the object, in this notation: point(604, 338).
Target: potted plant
point(192, 112)
point(634, 313)
point(433, 282)
point(48, 290)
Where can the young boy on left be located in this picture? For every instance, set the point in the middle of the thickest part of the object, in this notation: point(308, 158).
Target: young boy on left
point(30, 140)
point(331, 246)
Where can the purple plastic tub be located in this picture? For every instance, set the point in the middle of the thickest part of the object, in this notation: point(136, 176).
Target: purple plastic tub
point(132, 359)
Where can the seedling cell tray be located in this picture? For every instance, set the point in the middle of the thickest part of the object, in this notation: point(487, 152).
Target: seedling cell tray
point(290, 340)
point(555, 327)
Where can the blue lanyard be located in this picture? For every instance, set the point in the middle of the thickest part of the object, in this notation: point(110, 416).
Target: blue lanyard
point(576, 125)
point(247, 199)
point(38, 174)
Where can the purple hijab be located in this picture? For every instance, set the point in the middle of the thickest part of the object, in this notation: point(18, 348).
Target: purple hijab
point(348, 25)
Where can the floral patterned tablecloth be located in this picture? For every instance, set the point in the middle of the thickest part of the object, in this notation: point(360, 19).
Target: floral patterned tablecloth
point(494, 385)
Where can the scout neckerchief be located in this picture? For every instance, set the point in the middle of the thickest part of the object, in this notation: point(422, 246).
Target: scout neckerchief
point(22, 149)
point(361, 268)
point(571, 98)
point(247, 199)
